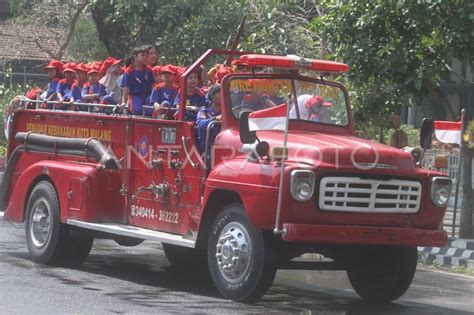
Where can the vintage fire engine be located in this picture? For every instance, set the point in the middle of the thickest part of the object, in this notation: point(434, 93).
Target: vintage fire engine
point(269, 189)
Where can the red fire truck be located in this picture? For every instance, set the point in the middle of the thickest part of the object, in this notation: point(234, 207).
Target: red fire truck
point(270, 188)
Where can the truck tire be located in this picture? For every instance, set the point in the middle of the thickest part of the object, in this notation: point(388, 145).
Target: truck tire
point(48, 240)
point(239, 261)
point(382, 274)
point(180, 256)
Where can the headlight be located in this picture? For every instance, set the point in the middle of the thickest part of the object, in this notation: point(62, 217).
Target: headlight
point(302, 184)
point(440, 190)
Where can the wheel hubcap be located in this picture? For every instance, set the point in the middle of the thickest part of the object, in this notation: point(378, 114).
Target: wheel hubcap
point(233, 252)
point(40, 223)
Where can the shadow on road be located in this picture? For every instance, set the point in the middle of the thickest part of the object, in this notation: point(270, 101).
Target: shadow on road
point(153, 283)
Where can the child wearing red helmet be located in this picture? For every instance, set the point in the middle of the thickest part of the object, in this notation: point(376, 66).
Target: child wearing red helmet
point(91, 92)
point(64, 90)
point(77, 86)
point(54, 69)
point(163, 94)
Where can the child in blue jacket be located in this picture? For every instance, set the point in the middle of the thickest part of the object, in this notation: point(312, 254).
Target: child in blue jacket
point(137, 82)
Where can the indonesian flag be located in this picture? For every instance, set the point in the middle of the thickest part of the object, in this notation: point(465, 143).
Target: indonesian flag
point(448, 131)
point(273, 118)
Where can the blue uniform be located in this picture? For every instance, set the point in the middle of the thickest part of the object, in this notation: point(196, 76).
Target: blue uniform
point(162, 93)
point(196, 99)
point(204, 117)
point(65, 89)
point(95, 88)
point(76, 93)
point(256, 104)
point(52, 87)
point(139, 83)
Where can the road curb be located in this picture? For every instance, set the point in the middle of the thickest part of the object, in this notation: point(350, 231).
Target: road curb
point(449, 256)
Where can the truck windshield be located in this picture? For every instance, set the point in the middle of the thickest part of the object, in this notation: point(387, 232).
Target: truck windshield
point(315, 102)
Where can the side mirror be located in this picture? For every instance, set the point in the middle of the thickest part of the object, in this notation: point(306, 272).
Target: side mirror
point(426, 133)
point(246, 136)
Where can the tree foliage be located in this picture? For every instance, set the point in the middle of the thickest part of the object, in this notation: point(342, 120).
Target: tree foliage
point(183, 30)
point(398, 49)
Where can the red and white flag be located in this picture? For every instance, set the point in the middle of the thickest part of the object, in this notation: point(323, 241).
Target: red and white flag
point(273, 118)
point(448, 131)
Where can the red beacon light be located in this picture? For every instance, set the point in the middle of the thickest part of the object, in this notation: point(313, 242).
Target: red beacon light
point(293, 62)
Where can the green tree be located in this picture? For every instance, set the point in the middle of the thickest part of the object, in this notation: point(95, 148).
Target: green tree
point(183, 30)
point(398, 50)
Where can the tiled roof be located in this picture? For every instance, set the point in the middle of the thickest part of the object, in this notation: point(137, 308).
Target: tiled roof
point(19, 43)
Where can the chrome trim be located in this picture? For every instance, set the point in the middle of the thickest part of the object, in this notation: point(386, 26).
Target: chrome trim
point(354, 194)
point(134, 231)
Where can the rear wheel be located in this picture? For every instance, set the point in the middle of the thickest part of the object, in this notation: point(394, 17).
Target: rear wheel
point(239, 258)
point(48, 240)
point(382, 274)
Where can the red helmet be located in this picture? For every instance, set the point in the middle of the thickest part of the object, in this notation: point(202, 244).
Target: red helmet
point(55, 64)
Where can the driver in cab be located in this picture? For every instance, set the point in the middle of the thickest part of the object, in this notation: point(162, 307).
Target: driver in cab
point(257, 99)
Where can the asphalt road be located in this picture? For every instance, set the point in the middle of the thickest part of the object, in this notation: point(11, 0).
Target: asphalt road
point(139, 279)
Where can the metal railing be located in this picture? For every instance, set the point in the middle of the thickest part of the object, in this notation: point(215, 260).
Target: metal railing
point(91, 107)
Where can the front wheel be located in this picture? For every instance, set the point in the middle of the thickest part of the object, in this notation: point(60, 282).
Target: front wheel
point(382, 274)
point(239, 258)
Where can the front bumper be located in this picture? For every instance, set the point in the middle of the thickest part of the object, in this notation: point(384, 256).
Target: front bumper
point(363, 235)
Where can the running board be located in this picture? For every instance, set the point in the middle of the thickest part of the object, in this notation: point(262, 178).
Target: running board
point(133, 231)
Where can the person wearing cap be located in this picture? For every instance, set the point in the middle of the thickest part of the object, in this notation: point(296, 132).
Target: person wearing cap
point(77, 86)
point(208, 114)
point(317, 108)
point(156, 70)
point(163, 93)
point(257, 98)
point(33, 94)
point(222, 72)
point(239, 66)
point(91, 91)
point(195, 98)
point(137, 82)
point(109, 82)
point(64, 90)
point(54, 69)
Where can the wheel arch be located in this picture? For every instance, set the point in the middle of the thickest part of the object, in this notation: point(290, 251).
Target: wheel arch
point(39, 178)
point(215, 202)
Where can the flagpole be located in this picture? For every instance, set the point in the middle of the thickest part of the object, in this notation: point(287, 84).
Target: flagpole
point(277, 229)
point(458, 179)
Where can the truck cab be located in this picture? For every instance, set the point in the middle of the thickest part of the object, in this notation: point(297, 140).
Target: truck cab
point(284, 176)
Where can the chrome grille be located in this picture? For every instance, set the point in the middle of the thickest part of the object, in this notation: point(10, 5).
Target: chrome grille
point(354, 194)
